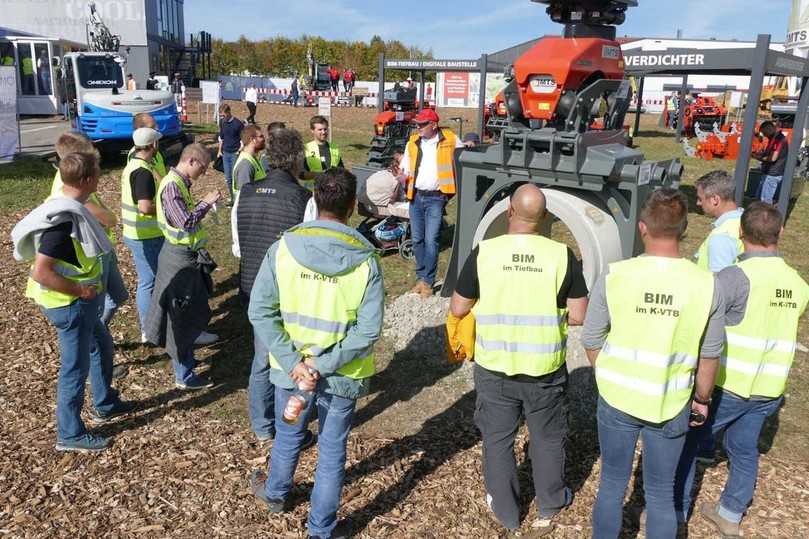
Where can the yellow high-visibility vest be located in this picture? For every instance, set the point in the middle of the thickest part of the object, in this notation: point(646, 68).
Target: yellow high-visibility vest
point(519, 328)
point(659, 309)
point(137, 225)
point(318, 310)
point(313, 157)
point(56, 190)
point(759, 351)
point(728, 228)
point(88, 272)
point(195, 239)
point(258, 170)
point(158, 163)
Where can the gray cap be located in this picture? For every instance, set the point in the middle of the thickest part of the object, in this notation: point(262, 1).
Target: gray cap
point(145, 136)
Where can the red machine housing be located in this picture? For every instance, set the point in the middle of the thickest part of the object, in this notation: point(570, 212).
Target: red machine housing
point(703, 109)
point(556, 65)
point(713, 147)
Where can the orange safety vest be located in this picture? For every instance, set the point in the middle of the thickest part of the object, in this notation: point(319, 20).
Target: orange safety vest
point(446, 163)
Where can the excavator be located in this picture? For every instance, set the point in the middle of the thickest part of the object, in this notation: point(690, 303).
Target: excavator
point(565, 103)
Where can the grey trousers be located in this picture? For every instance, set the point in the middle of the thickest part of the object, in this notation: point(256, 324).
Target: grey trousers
point(500, 404)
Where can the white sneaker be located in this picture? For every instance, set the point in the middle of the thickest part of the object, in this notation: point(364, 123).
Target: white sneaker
point(206, 338)
point(143, 339)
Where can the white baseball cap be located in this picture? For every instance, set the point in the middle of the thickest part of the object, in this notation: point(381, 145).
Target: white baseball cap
point(146, 136)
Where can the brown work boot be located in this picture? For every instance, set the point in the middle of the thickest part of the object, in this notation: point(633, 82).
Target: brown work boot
point(419, 288)
point(426, 290)
point(727, 529)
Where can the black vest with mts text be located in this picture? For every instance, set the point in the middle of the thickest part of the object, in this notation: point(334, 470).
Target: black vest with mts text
point(265, 210)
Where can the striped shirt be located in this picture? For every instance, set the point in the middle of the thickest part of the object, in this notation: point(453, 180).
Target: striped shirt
point(175, 209)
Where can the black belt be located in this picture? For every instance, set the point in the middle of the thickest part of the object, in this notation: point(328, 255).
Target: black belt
point(426, 193)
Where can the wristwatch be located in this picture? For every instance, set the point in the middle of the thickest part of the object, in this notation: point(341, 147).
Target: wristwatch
point(706, 402)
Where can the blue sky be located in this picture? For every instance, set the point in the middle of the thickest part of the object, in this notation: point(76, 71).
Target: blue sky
point(466, 28)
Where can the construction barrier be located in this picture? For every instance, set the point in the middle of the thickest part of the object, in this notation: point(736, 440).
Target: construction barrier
point(281, 96)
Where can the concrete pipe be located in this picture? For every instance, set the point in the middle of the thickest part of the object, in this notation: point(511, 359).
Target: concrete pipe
point(593, 228)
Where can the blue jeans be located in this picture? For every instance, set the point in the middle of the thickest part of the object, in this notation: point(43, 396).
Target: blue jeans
point(742, 420)
point(662, 444)
point(145, 254)
point(116, 292)
point(334, 416)
point(426, 214)
point(261, 391)
point(184, 365)
point(228, 162)
point(768, 188)
point(85, 346)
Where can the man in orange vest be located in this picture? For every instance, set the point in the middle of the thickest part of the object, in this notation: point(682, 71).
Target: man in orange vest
point(429, 166)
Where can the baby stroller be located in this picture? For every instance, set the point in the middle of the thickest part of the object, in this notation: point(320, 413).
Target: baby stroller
point(388, 232)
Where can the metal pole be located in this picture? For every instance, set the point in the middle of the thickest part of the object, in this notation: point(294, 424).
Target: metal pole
point(794, 148)
point(757, 73)
point(638, 108)
point(380, 95)
point(681, 109)
point(421, 89)
point(484, 61)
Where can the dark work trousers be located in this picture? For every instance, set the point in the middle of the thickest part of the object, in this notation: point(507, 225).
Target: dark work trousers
point(500, 404)
point(251, 119)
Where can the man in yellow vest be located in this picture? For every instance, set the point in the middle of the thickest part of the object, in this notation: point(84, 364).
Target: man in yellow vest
point(764, 298)
point(66, 245)
point(142, 234)
point(320, 153)
point(429, 166)
point(27, 67)
point(144, 119)
point(248, 166)
point(520, 348)
point(179, 312)
point(317, 306)
point(115, 291)
point(716, 195)
point(654, 332)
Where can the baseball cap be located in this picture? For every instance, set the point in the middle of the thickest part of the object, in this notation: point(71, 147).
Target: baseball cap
point(144, 136)
point(426, 116)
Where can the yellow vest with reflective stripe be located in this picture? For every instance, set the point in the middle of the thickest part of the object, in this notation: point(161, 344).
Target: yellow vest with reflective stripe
point(317, 309)
point(158, 163)
point(519, 327)
point(728, 228)
point(27, 66)
point(659, 309)
point(56, 191)
point(313, 156)
point(759, 351)
point(258, 171)
point(137, 225)
point(195, 239)
point(87, 272)
point(445, 166)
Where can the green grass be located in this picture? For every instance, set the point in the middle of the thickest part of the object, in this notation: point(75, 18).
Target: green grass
point(24, 183)
point(201, 129)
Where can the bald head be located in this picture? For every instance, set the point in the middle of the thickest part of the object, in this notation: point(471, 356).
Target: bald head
point(527, 206)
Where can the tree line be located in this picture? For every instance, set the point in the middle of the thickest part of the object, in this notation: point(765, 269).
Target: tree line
point(281, 56)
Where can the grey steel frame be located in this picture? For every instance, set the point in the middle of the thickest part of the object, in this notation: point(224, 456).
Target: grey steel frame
point(482, 65)
point(739, 62)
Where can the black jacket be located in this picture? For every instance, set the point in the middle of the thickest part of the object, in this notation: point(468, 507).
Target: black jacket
point(266, 209)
